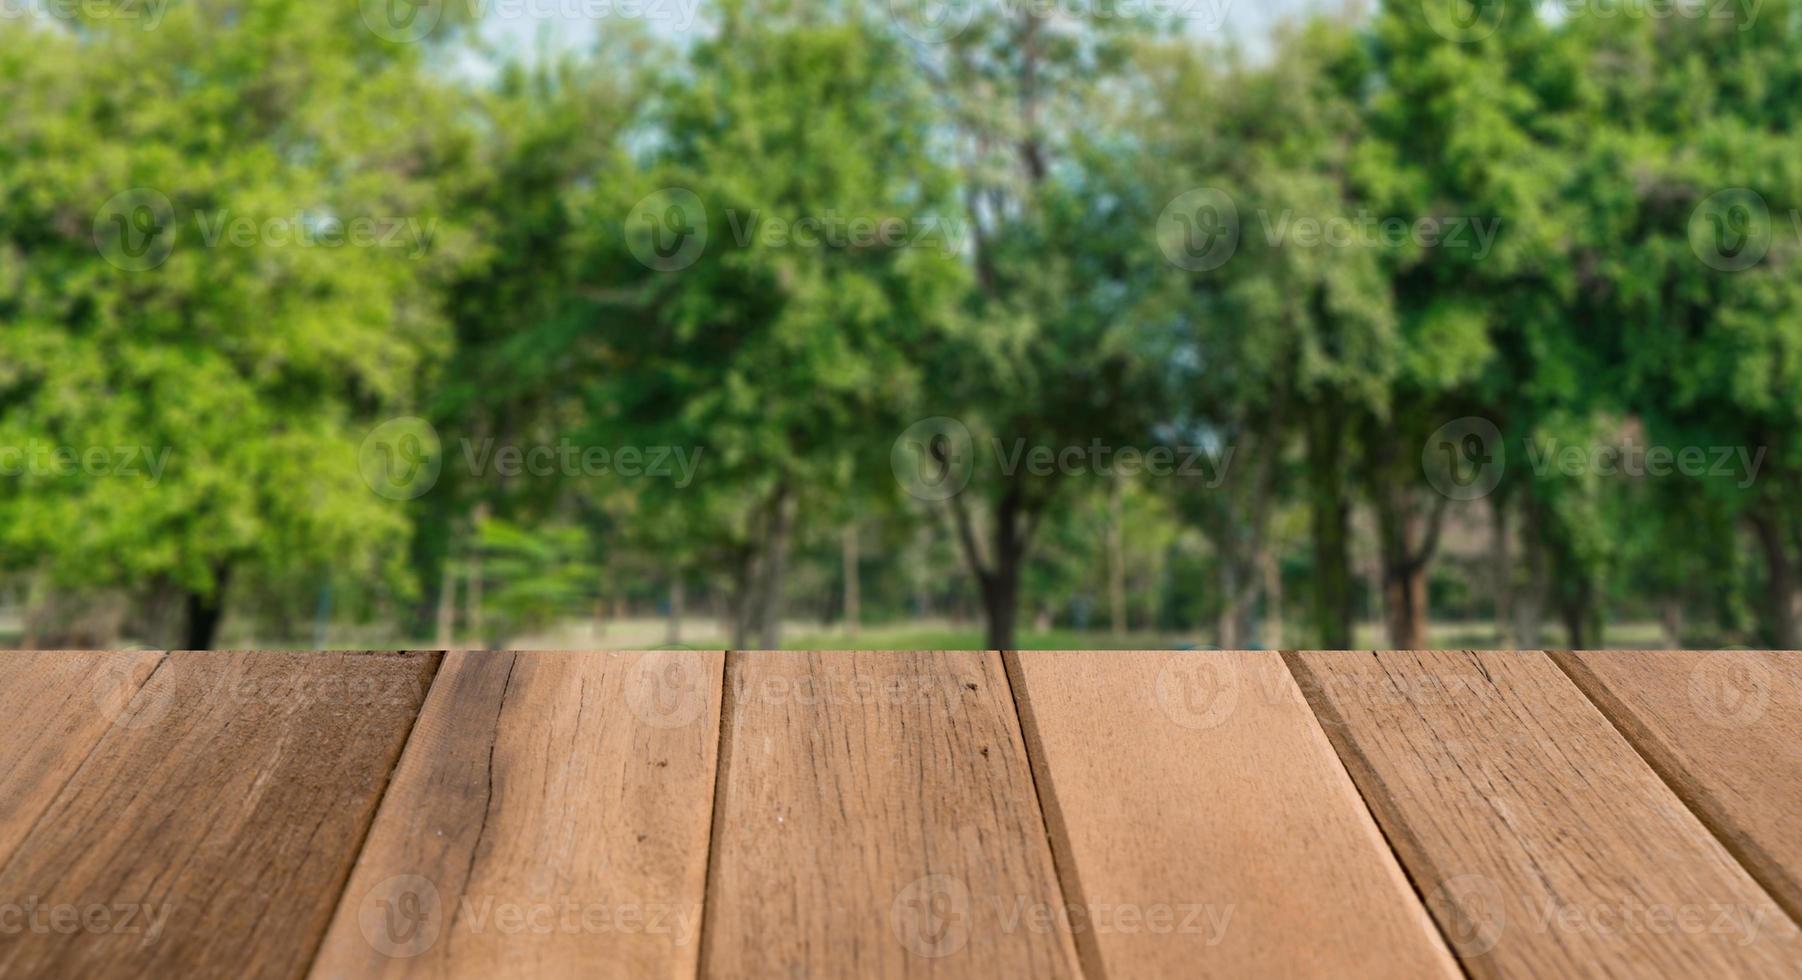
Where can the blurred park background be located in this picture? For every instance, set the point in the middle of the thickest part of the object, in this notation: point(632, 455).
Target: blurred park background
point(897, 323)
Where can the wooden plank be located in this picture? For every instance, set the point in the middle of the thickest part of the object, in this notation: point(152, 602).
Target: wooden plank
point(549, 818)
point(56, 706)
point(1204, 826)
point(1723, 729)
point(875, 819)
point(210, 831)
point(1545, 846)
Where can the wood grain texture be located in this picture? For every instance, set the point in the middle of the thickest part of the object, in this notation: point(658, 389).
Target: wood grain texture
point(1725, 731)
point(55, 706)
point(1545, 846)
point(876, 818)
point(1208, 827)
point(549, 818)
point(211, 829)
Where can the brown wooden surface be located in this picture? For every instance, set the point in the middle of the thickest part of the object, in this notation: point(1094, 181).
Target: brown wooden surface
point(1211, 827)
point(209, 832)
point(699, 814)
point(549, 819)
point(1543, 843)
point(55, 706)
point(876, 818)
point(1724, 729)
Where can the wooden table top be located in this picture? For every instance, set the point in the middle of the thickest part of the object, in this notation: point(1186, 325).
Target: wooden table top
point(944, 814)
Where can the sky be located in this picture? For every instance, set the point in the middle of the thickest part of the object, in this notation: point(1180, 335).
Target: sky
point(520, 25)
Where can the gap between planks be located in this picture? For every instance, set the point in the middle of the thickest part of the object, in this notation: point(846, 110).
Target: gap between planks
point(1742, 811)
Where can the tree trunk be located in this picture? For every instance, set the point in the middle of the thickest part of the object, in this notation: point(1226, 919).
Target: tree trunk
point(1226, 625)
point(473, 614)
point(1330, 514)
point(447, 606)
point(1780, 612)
point(998, 579)
point(1273, 601)
point(853, 587)
point(742, 604)
point(782, 516)
point(1670, 622)
point(1001, 602)
point(205, 611)
point(1574, 609)
point(1529, 604)
point(473, 594)
point(1404, 563)
point(1116, 557)
point(676, 598)
point(1501, 573)
point(1405, 606)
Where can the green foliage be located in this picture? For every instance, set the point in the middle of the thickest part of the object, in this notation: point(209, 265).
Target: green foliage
point(775, 245)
